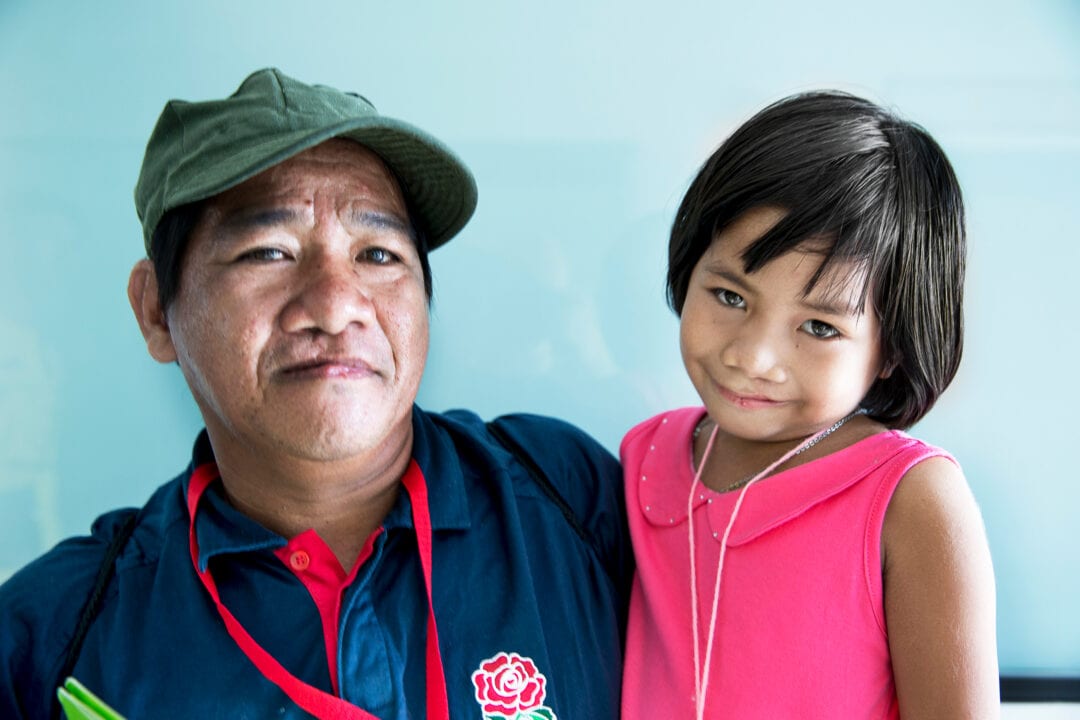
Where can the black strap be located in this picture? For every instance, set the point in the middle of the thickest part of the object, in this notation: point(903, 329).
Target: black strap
point(92, 607)
point(541, 479)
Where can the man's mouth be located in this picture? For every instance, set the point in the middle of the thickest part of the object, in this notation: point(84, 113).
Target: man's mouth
point(327, 368)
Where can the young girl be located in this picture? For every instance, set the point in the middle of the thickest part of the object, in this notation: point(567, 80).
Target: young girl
point(799, 556)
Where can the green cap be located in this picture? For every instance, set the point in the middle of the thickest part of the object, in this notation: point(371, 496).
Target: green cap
point(200, 149)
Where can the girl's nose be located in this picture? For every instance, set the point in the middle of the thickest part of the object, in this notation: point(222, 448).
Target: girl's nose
point(330, 296)
point(755, 353)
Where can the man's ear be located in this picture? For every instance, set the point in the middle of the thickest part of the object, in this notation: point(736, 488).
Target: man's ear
point(143, 296)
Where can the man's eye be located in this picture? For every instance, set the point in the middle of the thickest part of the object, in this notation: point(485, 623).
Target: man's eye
point(729, 298)
point(378, 256)
point(820, 330)
point(263, 254)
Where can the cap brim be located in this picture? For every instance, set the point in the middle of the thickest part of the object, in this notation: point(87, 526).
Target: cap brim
point(440, 190)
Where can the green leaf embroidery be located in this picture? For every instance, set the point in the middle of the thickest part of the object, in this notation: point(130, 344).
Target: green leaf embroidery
point(540, 713)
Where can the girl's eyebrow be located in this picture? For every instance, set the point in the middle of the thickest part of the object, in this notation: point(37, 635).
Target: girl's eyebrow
point(828, 307)
point(824, 306)
point(721, 271)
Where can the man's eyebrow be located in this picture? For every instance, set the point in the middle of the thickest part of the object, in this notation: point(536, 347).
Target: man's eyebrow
point(378, 220)
point(244, 219)
point(258, 218)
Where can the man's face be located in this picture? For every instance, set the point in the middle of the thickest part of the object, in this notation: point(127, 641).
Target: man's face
point(301, 320)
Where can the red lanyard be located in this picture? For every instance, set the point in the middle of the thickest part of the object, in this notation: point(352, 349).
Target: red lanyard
point(315, 701)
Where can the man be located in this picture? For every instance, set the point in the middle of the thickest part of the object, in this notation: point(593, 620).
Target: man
point(331, 550)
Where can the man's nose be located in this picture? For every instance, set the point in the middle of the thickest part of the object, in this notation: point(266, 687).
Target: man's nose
point(756, 351)
point(330, 295)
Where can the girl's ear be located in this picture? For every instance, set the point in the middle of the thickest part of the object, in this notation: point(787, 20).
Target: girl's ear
point(887, 369)
point(143, 296)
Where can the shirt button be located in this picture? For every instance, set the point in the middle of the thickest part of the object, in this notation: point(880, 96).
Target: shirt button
point(299, 560)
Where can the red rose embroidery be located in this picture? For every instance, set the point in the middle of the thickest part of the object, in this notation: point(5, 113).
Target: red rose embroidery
point(509, 684)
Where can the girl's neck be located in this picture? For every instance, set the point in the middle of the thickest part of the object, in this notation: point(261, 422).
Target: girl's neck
point(734, 460)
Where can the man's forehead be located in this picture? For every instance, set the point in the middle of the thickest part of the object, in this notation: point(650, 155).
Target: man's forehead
point(345, 167)
point(336, 155)
point(338, 148)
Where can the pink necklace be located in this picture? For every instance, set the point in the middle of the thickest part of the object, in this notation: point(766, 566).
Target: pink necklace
point(701, 674)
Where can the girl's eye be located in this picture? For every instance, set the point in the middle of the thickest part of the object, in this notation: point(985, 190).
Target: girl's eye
point(729, 298)
point(820, 330)
point(263, 254)
point(378, 256)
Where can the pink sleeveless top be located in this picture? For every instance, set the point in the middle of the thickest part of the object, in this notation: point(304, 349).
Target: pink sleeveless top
point(800, 629)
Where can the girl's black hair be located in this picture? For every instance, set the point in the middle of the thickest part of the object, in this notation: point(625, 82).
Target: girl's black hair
point(874, 189)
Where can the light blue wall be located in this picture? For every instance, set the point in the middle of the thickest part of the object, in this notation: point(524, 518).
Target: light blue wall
point(584, 122)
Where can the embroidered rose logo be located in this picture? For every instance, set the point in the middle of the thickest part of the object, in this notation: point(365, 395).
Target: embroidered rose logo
point(509, 687)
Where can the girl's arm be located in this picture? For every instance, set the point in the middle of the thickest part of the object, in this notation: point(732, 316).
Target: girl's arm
point(939, 597)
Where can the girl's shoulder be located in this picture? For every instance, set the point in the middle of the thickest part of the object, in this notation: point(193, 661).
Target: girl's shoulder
point(932, 484)
point(889, 449)
point(670, 425)
point(939, 593)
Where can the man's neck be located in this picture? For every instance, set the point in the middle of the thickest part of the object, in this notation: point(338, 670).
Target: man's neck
point(343, 501)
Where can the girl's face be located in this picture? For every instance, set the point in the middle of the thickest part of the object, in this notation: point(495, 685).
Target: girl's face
point(770, 363)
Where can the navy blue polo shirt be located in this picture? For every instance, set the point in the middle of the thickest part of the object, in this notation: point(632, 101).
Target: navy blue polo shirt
point(514, 584)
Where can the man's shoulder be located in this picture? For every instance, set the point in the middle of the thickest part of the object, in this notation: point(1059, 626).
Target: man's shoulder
point(547, 460)
point(43, 601)
point(540, 433)
point(571, 459)
point(41, 605)
point(60, 576)
point(69, 565)
point(464, 417)
point(517, 450)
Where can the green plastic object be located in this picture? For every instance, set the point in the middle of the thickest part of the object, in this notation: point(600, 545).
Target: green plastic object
point(81, 704)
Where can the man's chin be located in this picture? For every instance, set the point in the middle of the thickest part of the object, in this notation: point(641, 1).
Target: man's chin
point(342, 438)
